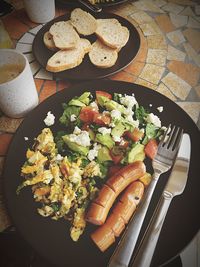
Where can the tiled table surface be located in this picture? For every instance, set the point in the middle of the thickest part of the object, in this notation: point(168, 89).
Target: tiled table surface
point(168, 60)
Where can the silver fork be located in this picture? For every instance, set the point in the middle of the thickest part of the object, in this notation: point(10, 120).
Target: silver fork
point(167, 151)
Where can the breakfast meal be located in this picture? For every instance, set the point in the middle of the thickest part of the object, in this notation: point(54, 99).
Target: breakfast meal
point(63, 36)
point(94, 171)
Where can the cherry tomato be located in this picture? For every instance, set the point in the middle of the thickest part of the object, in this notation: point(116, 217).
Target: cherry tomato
point(87, 114)
point(103, 93)
point(151, 148)
point(135, 135)
point(101, 119)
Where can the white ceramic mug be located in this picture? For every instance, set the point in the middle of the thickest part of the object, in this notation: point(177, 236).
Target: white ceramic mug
point(40, 11)
point(19, 95)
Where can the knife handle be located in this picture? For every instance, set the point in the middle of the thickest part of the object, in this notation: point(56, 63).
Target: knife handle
point(145, 251)
point(123, 253)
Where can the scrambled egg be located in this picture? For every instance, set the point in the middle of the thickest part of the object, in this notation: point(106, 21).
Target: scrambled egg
point(60, 186)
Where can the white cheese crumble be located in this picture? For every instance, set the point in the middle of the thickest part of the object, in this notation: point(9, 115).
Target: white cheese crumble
point(77, 130)
point(128, 101)
point(26, 138)
point(72, 117)
point(50, 119)
point(94, 105)
point(59, 157)
point(104, 130)
point(150, 105)
point(151, 118)
point(92, 154)
point(116, 138)
point(80, 138)
point(160, 109)
point(115, 114)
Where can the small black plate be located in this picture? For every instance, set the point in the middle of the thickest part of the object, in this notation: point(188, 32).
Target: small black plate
point(87, 71)
point(51, 238)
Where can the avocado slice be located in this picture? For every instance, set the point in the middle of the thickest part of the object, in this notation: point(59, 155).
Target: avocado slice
point(103, 154)
point(136, 153)
point(119, 129)
point(110, 104)
point(81, 101)
point(76, 102)
point(75, 147)
point(105, 140)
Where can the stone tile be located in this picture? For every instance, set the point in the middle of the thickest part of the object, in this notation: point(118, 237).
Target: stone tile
point(197, 18)
point(147, 5)
point(182, 2)
point(24, 48)
point(165, 91)
point(175, 54)
point(35, 67)
point(26, 38)
point(160, 3)
point(123, 76)
point(30, 57)
point(192, 23)
point(48, 89)
point(176, 37)
point(178, 20)
point(36, 29)
point(164, 23)
point(39, 83)
point(141, 17)
point(62, 85)
point(193, 37)
point(187, 12)
point(2, 159)
point(173, 8)
point(5, 140)
point(157, 42)
point(197, 89)
point(191, 108)
point(152, 73)
point(146, 83)
point(150, 28)
point(142, 53)
point(178, 86)
point(197, 9)
point(9, 125)
point(43, 74)
point(135, 68)
point(185, 71)
point(192, 54)
point(156, 56)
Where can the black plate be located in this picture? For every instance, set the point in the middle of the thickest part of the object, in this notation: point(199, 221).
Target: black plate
point(51, 238)
point(86, 70)
point(77, 4)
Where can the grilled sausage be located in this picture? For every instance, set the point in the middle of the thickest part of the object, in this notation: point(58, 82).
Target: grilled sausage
point(120, 216)
point(100, 207)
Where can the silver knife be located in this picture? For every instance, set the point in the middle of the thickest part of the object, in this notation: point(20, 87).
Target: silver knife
point(175, 186)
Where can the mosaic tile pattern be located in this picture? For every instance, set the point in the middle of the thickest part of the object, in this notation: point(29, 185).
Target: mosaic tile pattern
point(168, 60)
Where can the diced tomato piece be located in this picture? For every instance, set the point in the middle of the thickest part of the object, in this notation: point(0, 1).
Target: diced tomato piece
point(103, 93)
point(117, 154)
point(87, 114)
point(113, 169)
point(102, 119)
point(124, 143)
point(85, 127)
point(151, 148)
point(135, 135)
point(116, 158)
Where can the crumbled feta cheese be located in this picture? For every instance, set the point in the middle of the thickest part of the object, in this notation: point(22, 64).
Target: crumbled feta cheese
point(72, 117)
point(115, 114)
point(94, 105)
point(59, 157)
point(50, 119)
point(26, 138)
point(142, 130)
point(81, 139)
point(92, 154)
point(116, 138)
point(104, 130)
point(77, 130)
point(128, 101)
point(160, 109)
point(150, 105)
point(112, 124)
point(151, 118)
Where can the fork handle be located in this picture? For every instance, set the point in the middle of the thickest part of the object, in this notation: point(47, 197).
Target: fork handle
point(122, 255)
point(146, 249)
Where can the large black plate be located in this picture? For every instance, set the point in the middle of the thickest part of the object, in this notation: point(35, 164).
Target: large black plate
point(76, 3)
point(50, 238)
point(86, 70)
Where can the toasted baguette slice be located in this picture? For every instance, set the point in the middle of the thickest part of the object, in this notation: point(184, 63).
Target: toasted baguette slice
point(112, 33)
point(102, 56)
point(49, 42)
point(68, 59)
point(64, 35)
point(83, 21)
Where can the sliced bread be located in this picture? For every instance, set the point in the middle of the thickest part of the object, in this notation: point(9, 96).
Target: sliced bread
point(102, 56)
point(68, 59)
point(83, 21)
point(112, 33)
point(49, 42)
point(64, 35)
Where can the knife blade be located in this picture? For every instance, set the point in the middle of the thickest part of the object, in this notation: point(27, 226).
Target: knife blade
point(175, 186)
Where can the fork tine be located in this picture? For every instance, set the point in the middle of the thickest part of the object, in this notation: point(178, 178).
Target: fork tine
point(170, 137)
point(164, 135)
point(176, 145)
point(174, 138)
